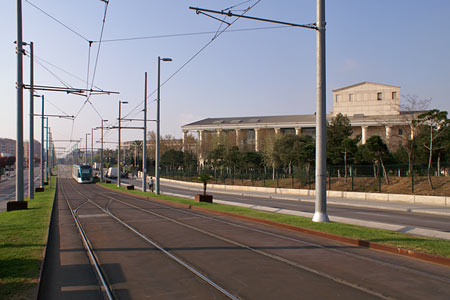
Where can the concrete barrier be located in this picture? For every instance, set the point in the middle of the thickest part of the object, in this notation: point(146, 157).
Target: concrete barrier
point(432, 200)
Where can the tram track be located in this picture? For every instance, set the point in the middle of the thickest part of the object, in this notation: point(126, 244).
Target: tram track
point(233, 242)
point(268, 233)
point(107, 199)
point(94, 259)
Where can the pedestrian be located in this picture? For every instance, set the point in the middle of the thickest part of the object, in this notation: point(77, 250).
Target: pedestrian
point(150, 184)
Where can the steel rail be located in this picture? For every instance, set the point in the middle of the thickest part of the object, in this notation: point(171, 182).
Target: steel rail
point(381, 262)
point(88, 246)
point(162, 249)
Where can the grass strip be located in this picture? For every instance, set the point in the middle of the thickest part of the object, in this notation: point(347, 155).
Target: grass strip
point(23, 236)
point(433, 246)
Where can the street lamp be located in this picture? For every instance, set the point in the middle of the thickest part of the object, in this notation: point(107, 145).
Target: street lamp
point(85, 149)
point(101, 154)
point(158, 124)
point(118, 154)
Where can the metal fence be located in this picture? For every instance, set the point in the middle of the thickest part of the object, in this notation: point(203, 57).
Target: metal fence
point(364, 178)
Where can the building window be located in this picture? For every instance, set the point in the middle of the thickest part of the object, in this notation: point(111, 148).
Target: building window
point(379, 95)
point(394, 95)
point(338, 98)
point(400, 132)
point(350, 97)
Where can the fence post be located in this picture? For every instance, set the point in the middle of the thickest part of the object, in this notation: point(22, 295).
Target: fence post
point(329, 178)
point(379, 176)
point(276, 175)
point(353, 177)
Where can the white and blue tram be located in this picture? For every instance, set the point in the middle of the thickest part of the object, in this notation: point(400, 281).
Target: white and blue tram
point(82, 173)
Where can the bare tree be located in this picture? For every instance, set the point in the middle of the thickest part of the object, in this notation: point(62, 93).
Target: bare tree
point(411, 108)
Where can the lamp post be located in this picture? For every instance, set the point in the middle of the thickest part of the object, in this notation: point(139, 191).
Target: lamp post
point(46, 151)
point(42, 143)
point(31, 139)
point(92, 147)
point(158, 121)
point(144, 146)
point(101, 153)
point(118, 154)
point(85, 149)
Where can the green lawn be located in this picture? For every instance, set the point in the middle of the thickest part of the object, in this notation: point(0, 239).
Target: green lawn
point(22, 241)
point(434, 246)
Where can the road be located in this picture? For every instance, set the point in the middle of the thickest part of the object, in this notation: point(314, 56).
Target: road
point(147, 249)
point(306, 204)
point(8, 187)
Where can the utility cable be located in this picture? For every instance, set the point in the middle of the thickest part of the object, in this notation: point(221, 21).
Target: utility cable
point(190, 34)
point(62, 70)
point(193, 57)
point(58, 21)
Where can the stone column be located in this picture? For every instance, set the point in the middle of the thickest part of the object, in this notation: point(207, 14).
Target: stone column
point(257, 139)
point(364, 134)
point(298, 131)
point(200, 145)
point(185, 133)
point(238, 137)
point(388, 134)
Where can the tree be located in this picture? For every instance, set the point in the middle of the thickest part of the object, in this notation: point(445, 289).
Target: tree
point(338, 130)
point(436, 125)
point(172, 159)
point(349, 148)
point(411, 109)
point(189, 161)
point(378, 150)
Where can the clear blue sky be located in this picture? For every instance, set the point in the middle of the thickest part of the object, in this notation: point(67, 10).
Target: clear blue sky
point(248, 73)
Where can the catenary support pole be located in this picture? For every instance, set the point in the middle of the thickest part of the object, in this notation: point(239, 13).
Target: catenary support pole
point(92, 147)
point(42, 143)
point(158, 129)
point(101, 154)
point(31, 139)
point(46, 151)
point(19, 128)
point(320, 214)
point(144, 144)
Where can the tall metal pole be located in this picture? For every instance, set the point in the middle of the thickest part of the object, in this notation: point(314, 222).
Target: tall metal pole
point(158, 129)
point(46, 152)
point(101, 154)
point(144, 145)
point(31, 139)
point(42, 142)
point(118, 153)
point(19, 130)
point(85, 150)
point(320, 214)
point(92, 147)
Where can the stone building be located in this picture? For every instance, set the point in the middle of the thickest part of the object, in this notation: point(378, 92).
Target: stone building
point(372, 108)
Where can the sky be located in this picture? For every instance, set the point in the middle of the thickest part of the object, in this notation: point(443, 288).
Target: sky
point(239, 73)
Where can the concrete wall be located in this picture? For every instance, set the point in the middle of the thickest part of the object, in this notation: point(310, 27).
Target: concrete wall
point(382, 197)
point(362, 99)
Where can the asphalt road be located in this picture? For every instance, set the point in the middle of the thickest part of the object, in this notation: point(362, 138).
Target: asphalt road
point(237, 259)
point(407, 219)
point(8, 187)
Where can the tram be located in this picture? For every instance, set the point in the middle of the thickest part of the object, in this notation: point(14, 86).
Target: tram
point(82, 173)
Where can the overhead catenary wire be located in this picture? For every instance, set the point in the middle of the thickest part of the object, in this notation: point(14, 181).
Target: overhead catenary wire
point(62, 70)
point(191, 59)
point(57, 21)
point(189, 34)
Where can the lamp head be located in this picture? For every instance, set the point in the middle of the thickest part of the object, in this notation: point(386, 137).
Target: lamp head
point(166, 59)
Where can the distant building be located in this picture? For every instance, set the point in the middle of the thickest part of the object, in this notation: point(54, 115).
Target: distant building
point(372, 108)
point(7, 147)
